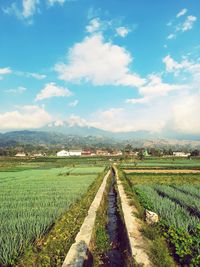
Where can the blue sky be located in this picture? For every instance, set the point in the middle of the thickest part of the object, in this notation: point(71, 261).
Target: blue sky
point(116, 65)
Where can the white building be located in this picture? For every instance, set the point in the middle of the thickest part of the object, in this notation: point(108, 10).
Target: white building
point(181, 154)
point(75, 153)
point(63, 153)
point(70, 153)
point(20, 155)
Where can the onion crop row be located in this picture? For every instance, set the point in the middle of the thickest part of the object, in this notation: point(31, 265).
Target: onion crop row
point(32, 202)
point(171, 212)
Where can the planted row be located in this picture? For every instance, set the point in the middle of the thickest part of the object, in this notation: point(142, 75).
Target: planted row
point(171, 212)
point(31, 202)
point(191, 203)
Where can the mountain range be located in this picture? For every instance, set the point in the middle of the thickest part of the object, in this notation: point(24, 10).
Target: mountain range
point(76, 136)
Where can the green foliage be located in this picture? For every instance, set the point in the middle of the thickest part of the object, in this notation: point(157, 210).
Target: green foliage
point(169, 211)
point(160, 254)
point(164, 162)
point(32, 201)
point(186, 246)
point(167, 178)
point(143, 199)
point(176, 221)
point(100, 236)
point(52, 248)
point(102, 240)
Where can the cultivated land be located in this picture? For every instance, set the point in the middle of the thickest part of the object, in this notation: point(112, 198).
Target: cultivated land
point(33, 196)
point(43, 203)
point(172, 190)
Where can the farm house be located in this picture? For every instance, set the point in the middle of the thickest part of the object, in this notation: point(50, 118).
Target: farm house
point(20, 155)
point(75, 152)
point(63, 153)
point(181, 154)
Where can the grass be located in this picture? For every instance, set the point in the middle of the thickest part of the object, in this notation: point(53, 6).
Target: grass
point(100, 242)
point(159, 253)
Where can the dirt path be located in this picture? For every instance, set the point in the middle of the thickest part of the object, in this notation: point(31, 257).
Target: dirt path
point(162, 171)
point(133, 227)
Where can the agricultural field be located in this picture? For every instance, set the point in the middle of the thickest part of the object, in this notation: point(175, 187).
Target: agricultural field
point(19, 164)
point(162, 163)
point(33, 199)
point(175, 197)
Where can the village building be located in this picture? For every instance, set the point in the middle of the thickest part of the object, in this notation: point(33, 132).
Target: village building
point(86, 153)
point(20, 154)
point(75, 153)
point(63, 153)
point(181, 154)
point(70, 153)
point(100, 152)
point(117, 153)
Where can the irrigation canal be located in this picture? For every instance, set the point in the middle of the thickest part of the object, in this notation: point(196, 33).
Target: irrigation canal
point(119, 253)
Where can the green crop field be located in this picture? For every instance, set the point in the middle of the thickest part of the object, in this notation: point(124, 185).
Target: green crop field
point(17, 164)
point(176, 199)
point(162, 162)
point(164, 178)
point(32, 200)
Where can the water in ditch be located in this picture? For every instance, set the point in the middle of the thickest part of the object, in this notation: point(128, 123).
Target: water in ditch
point(119, 252)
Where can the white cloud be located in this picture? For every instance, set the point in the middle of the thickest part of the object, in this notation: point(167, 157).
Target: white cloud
point(181, 13)
point(126, 119)
point(156, 87)
point(169, 23)
point(188, 23)
point(52, 2)
point(34, 75)
point(183, 67)
point(93, 26)
point(29, 7)
point(98, 62)
point(37, 76)
point(122, 31)
point(58, 123)
point(52, 90)
point(75, 120)
point(111, 113)
point(171, 36)
point(180, 112)
point(142, 100)
point(19, 90)
point(25, 117)
point(182, 27)
point(4, 71)
point(12, 10)
point(74, 103)
point(185, 114)
point(171, 64)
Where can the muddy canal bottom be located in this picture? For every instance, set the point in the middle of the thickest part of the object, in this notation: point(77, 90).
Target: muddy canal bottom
point(119, 252)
